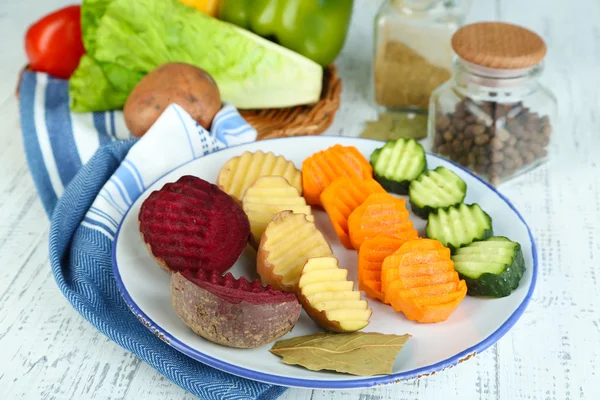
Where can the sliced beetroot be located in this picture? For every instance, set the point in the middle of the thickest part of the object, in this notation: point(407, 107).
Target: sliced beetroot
point(237, 290)
point(232, 312)
point(191, 224)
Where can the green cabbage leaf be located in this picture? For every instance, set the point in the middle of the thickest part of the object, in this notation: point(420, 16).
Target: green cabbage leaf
point(126, 39)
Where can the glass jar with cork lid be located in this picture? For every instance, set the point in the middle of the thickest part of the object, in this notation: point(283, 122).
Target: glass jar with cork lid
point(494, 116)
point(412, 51)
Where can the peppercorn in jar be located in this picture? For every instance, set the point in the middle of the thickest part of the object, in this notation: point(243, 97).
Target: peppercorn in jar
point(493, 116)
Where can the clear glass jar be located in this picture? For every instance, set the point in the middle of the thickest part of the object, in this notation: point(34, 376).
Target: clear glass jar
point(495, 122)
point(412, 52)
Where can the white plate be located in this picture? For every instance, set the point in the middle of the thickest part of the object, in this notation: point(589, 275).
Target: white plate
point(474, 326)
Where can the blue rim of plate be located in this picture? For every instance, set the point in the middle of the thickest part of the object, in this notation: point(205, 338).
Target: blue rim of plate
point(332, 384)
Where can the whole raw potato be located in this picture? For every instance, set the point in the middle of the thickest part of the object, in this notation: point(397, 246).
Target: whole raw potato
point(186, 85)
point(233, 313)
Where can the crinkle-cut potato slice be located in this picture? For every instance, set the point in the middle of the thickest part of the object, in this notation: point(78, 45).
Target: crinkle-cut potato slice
point(289, 240)
point(240, 172)
point(268, 196)
point(329, 298)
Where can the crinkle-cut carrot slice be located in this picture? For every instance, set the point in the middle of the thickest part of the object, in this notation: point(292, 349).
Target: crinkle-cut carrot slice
point(374, 284)
point(431, 308)
point(437, 267)
point(424, 280)
point(436, 294)
point(420, 245)
point(424, 257)
point(370, 275)
point(419, 280)
point(439, 312)
point(435, 299)
point(370, 265)
point(323, 167)
point(341, 197)
point(417, 270)
point(429, 291)
point(370, 258)
point(372, 288)
point(375, 250)
point(414, 264)
point(404, 231)
point(380, 213)
point(389, 274)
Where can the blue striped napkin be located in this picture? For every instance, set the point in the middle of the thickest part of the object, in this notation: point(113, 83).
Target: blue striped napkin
point(88, 171)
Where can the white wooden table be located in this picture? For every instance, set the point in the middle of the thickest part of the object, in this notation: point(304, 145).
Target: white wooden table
point(48, 351)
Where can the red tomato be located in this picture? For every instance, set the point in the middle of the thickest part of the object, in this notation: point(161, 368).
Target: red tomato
point(53, 44)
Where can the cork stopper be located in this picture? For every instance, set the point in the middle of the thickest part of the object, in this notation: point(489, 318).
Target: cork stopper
point(498, 45)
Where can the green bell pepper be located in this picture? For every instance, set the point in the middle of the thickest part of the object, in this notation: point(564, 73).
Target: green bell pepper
point(316, 29)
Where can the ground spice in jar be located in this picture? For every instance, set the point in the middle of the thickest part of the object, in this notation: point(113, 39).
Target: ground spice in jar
point(413, 55)
point(404, 78)
point(491, 138)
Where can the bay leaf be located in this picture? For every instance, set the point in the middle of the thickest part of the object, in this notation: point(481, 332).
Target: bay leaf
point(392, 125)
point(356, 353)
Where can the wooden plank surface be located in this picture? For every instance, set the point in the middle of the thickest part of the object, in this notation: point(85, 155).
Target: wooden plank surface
point(48, 351)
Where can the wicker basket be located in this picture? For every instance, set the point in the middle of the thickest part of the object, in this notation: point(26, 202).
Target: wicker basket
point(300, 120)
point(292, 121)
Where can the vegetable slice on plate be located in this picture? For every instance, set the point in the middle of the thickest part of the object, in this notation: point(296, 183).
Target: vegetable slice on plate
point(380, 213)
point(370, 259)
point(342, 197)
point(398, 163)
point(240, 172)
point(192, 224)
point(425, 257)
point(268, 196)
point(458, 226)
point(288, 242)
point(232, 312)
point(323, 167)
point(434, 189)
point(421, 283)
point(492, 267)
point(321, 276)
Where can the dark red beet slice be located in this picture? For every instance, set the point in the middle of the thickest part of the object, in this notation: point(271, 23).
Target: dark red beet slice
point(237, 290)
point(191, 224)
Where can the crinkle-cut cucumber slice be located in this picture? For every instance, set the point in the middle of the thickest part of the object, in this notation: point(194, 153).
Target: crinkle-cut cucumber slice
point(458, 226)
point(398, 163)
point(435, 189)
point(493, 267)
